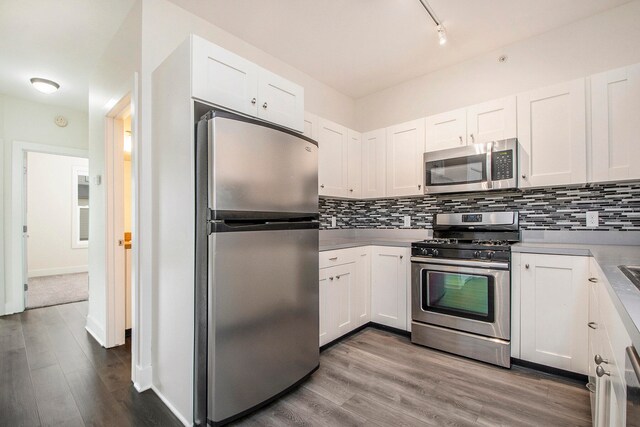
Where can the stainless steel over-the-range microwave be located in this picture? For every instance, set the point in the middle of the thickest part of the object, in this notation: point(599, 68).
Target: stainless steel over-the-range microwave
point(477, 167)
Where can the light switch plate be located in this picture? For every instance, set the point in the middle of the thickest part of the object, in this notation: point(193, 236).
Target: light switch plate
point(407, 221)
point(333, 222)
point(592, 219)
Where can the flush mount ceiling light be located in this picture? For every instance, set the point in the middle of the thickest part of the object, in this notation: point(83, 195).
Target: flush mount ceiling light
point(44, 85)
point(442, 32)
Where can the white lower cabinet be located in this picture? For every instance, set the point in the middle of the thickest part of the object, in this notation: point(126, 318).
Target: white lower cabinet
point(608, 340)
point(389, 284)
point(553, 310)
point(344, 291)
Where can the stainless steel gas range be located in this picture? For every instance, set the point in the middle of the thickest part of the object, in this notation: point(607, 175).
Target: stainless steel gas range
point(461, 286)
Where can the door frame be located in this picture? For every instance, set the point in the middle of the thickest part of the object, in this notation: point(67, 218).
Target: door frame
point(17, 247)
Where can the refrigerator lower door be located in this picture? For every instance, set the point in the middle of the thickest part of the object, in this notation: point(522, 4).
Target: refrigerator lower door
point(263, 315)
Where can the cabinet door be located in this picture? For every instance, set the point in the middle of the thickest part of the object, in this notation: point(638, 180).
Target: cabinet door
point(389, 286)
point(280, 101)
point(446, 130)
point(332, 159)
point(224, 78)
point(310, 126)
point(342, 284)
point(492, 121)
point(405, 149)
point(615, 122)
point(362, 295)
point(554, 311)
point(354, 162)
point(325, 333)
point(374, 154)
point(552, 134)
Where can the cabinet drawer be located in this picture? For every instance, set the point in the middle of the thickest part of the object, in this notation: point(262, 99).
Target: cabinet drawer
point(339, 256)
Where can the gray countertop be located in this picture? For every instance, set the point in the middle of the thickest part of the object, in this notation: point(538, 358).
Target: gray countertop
point(624, 294)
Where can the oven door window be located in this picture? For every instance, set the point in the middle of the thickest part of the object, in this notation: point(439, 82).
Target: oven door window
point(463, 295)
point(461, 170)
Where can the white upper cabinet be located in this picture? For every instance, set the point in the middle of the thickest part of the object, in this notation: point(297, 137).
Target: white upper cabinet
point(225, 79)
point(552, 134)
point(492, 121)
point(446, 130)
point(332, 159)
point(280, 101)
point(354, 161)
point(615, 124)
point(310, 126)
point(374, 154)
point(405, 149)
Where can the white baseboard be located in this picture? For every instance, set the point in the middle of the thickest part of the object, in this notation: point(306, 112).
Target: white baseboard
point(143, 378)
point(40, 272)
point(95, 330)
point(182, 419)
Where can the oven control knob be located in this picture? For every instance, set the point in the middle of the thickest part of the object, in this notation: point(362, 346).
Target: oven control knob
point(476, 254)
point(490, 255)
point(435, 252)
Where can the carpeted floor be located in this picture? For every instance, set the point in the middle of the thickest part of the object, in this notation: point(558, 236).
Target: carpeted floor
point(60, 289)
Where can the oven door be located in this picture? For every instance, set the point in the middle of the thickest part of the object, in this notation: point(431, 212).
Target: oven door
point(469, 296)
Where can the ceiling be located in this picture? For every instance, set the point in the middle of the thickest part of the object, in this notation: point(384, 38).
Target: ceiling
point(61, 40)
point(362, 46)
point(355, 46)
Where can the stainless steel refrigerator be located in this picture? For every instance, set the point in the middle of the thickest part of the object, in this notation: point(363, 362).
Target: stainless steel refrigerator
point(256, 268)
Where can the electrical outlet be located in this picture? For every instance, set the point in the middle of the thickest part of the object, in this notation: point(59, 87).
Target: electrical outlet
point(592, 219)
point(333, 222)
point(407, 221)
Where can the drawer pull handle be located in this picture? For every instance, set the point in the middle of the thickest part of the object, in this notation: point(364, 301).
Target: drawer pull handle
point(598, 359)
point(601, 372)
point(333, 259)
point(592, 325)
point(593, 280)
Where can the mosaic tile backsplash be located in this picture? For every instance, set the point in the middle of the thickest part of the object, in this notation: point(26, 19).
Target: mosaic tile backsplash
point(554, 208)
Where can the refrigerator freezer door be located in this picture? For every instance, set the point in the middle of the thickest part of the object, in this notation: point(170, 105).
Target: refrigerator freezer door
point(256, 169)
point(263, 315)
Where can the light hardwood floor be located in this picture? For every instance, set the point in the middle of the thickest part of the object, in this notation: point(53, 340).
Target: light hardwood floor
point(379, 378)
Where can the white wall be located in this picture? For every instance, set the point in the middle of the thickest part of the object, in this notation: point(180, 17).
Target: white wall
point(601, 42)
point(32, 122)
point(49, 215)
point(114, 78)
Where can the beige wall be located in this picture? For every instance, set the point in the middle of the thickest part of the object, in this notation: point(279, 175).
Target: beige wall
point(49, 215)
point(601, 42)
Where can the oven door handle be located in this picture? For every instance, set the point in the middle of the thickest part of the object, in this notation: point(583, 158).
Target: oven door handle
point(462, 263)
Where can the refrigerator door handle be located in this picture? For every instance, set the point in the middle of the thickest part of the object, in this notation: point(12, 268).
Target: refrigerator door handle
point(239, 226)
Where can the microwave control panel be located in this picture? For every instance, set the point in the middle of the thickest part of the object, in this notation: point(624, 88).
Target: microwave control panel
point(502, 165)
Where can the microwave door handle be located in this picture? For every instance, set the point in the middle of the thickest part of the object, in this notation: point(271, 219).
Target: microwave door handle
point(489, 171)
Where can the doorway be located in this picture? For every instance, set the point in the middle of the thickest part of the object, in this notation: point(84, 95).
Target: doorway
point(56, 241)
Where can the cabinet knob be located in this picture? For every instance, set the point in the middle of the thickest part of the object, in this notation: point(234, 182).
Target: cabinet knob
point(333, 259)
point(253, 101)
point(524, 176)
point(401, 256)
point(331, 278)
point(473, 140)
point(338, 277)
point(321, 185)
point(351, 190)
point(593, 279)
point(601, 372)
point(599, 360)
point(460, 137)
point(419, 186)
point(592, 325)
point(264, 105)
point(591, 387)
point(526, 266)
